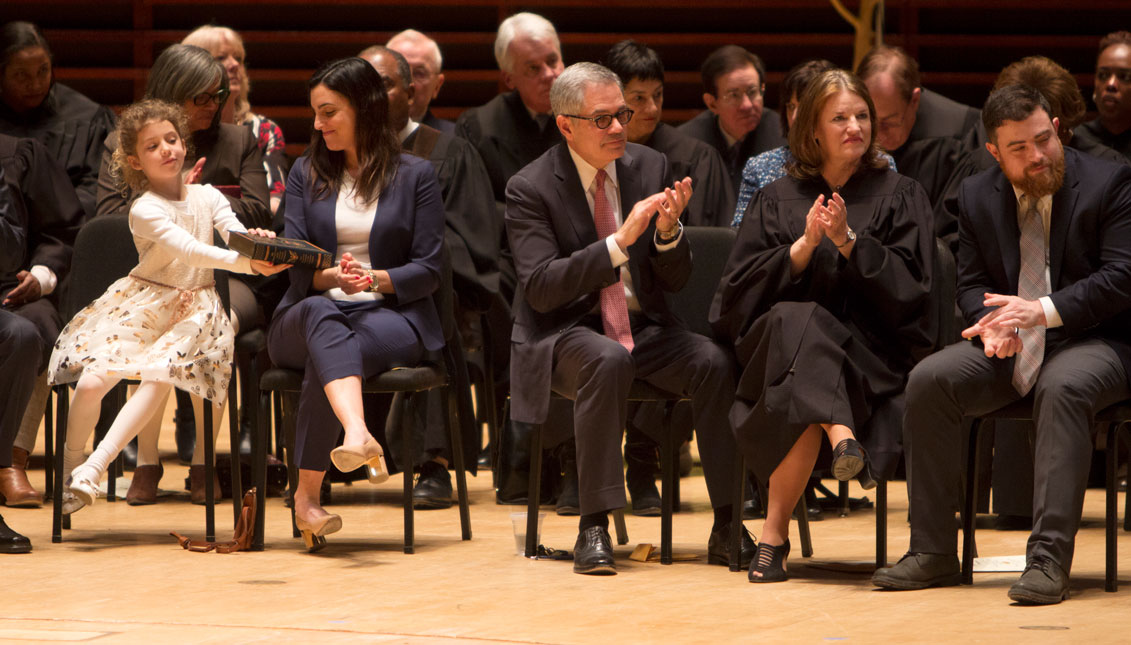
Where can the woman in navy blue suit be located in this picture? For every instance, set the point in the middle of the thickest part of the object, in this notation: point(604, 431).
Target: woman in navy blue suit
point(381, 215)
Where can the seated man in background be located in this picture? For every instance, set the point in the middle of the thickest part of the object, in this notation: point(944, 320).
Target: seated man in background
point(472, 233)
point(924, 132)
point(41, 187)
point(1044, 282)
point(736, 124)
point(594, 225)
point(423, 55)
point(1112, 95)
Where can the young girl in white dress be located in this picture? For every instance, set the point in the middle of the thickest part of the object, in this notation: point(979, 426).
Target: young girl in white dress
point(163, 324)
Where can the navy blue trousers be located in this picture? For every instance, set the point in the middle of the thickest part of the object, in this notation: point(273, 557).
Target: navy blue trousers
point(330, 340)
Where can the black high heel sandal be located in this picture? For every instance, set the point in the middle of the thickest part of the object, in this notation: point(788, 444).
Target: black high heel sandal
point(769, 562)
point(848, 459)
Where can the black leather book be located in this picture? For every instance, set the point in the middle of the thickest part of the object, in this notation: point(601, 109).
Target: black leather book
point(280, 250)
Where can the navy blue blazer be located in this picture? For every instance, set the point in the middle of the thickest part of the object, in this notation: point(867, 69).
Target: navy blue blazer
point(1089, 249)
point(406, 240)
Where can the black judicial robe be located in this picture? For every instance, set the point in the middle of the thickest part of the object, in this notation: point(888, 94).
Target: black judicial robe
point(54, 216)
point(939, 138)
point(713, 196)
point(469, 209)
point(1094, 133)
point(72, 127)
point(506, 137)
point(436, 123)
point(835, 344)
point(767, 136)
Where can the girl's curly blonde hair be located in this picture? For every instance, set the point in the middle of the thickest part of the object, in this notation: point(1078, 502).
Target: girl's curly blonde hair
point(131, 121)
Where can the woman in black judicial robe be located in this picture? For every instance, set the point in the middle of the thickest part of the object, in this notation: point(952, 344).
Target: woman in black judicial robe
point(827, 303)
point(33, 105)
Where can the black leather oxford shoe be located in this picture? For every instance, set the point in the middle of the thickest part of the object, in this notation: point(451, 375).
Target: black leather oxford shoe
point(593, 552)
point(12, 542)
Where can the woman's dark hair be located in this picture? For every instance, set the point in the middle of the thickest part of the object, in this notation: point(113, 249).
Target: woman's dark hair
point(183, 71)
point(796, 80)
point(807, 153)
point(632, 60)
point(378, 151)
point(19, 35)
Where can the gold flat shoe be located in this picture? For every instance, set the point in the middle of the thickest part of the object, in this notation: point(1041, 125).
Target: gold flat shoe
point(350, 458)
point(313, 532)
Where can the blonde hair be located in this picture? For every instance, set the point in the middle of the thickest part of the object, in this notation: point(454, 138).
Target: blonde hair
point(130, 123)
point(802, 136)
point(211, 37)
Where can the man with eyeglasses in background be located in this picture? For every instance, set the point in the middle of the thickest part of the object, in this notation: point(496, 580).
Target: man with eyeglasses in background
point(423, 56)
point(737, 123)
point(594, 228)
point(1112, 96)
point(924, 131)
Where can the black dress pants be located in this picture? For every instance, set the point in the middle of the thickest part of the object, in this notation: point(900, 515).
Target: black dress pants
point(1077, 379)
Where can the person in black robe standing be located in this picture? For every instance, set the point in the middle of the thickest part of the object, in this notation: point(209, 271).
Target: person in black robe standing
point(827, 301)
point(1112, 95)
point(33, 105)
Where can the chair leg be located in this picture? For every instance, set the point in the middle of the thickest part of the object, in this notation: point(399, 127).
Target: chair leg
point(1123, 430)
point(48, 445)
point(259, 460)
point(234, 441)
point(280, 429)
point(407, 402)
point(456, 441)
point(209, 475)
point(843, 499)
point(62, 400)
point(881, 523)
point(667, 470)
point(620, 527)
point(117, 467)
point(738, 485)
point(969, 508)
point(1111, 512)
point(803, 527)
point(533, 490)
point(286, 407)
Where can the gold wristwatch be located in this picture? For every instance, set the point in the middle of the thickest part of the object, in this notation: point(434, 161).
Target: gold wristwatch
point(372, 288)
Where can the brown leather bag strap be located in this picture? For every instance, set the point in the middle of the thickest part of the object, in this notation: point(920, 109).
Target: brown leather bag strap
point(241, 537)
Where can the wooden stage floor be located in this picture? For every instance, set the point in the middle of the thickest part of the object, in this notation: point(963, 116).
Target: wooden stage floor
point(118, 577)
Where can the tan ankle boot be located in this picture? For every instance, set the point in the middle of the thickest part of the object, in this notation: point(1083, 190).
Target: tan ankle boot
point(15, 489)
point(196, 485)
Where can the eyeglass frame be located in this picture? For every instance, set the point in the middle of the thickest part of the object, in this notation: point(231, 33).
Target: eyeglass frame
point(597, 119)
point(735, 97)
point(219, 97)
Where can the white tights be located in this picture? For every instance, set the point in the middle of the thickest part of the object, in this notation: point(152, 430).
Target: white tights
point(147, 440)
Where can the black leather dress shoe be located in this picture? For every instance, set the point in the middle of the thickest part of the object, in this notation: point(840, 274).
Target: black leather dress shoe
point(569, 499)
point(184, 431)
point(919, 571)
point(593, 553)
point(1043, 583)
point(642, 465)
point(12, 542)
point(718, 547)
point(433, 489)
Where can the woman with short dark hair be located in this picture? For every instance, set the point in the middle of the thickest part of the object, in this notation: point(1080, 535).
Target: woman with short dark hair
point(380, 213)
point(33, 105)
point(827, 303)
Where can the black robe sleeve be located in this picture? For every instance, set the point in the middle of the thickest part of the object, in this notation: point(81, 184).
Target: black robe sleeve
point(13, 228)
point(54, 211)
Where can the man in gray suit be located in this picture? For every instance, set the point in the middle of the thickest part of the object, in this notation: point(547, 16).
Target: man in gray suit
point(1044, 281)
point(594, 226)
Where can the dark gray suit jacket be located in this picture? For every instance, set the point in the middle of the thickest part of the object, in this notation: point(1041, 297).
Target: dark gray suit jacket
point(562, 265)
point(1089, 249)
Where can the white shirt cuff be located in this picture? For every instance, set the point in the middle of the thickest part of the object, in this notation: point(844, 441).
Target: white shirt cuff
point(1052, 318)
point(667, 246)
point(617, 256)
point(46, 277)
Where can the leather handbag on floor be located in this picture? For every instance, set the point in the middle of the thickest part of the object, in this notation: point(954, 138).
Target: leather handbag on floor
point(241, 537)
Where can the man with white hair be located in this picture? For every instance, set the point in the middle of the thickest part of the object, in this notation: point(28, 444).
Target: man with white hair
point(426, 63)
point(514, 128)
point(594, 228)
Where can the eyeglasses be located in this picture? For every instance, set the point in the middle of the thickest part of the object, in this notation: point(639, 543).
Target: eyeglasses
point(734, 97)
point(603, 121)
point(1121, 73)
point(202, 99)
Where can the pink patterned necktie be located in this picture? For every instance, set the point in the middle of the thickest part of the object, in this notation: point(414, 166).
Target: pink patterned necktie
point(614, 306)
point(1031, 285)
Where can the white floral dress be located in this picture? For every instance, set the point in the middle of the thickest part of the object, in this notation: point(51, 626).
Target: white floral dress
point(164, 321)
